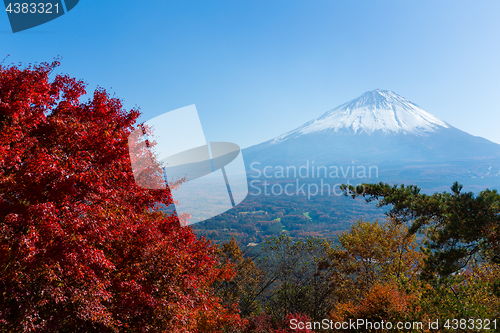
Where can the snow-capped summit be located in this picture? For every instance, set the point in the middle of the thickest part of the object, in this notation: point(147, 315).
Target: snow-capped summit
point(384, 129)
point(377, 110)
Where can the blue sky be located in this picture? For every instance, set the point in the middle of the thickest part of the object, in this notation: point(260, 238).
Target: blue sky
point(256, 69)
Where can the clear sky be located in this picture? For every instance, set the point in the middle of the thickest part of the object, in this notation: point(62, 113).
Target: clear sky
point(256, 69)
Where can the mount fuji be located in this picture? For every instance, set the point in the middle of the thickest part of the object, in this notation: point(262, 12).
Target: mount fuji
point(384, 129)
point(373, 111)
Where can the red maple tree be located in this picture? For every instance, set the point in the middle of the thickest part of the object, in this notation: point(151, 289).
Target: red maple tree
point(82, 247)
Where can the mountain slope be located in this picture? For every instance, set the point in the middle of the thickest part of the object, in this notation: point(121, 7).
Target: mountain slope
point(381, 128)
point(378, 110)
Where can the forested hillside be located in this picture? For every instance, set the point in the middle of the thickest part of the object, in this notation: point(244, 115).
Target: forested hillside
point(84, 249)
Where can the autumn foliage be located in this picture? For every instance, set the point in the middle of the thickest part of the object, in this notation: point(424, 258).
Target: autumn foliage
point(82, 248)
point(384, 302)
point(264, 323)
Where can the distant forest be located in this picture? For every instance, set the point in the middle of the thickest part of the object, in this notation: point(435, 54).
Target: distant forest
point(260, 217)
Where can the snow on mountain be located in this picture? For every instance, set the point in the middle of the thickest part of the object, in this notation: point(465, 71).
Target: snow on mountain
point(377, 110)
point(381, 128)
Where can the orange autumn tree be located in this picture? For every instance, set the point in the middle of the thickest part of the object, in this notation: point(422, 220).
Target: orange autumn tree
point(369, 253)
point(82, 248)
point(384, 302)
point(374, 267)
